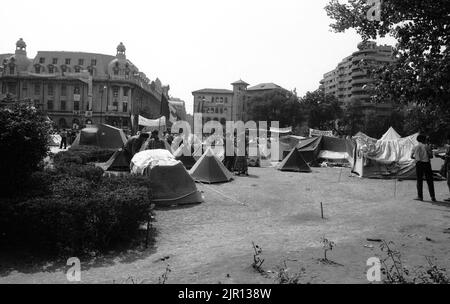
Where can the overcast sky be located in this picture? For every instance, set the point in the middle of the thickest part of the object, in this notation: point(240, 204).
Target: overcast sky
point(189, 44)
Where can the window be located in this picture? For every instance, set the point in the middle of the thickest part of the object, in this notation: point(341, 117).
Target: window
point(212, 99)
point(42, 60)
point(77, 69)
point(37, 89)
point(76, 106)
point(63, 68)
point(116, 91)
point(80, 61)
point(63, 105)
point(93, 62)
point(24, 89)
point(125, 92)
point(49, 104)
point(50, 90)
point(68, 61)
point(55, 61)
point(125, 107)
point(127, 74)
point(226, 99)
point(37, 69)
point(37, 104)
point(63, 90)
point(11, 69)
point(116, 71)
point(76, 90)
point(12, 88)
point(51, 69)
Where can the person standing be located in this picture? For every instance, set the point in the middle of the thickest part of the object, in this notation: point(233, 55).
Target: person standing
point(422, 154)
point(155, 142)
point(63, 135)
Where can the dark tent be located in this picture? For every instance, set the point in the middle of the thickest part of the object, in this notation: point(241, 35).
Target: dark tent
point(118, 162)
point(172, 185)
point(209, 169)
point(103, 136)
point(294, 162)
point(325, 147)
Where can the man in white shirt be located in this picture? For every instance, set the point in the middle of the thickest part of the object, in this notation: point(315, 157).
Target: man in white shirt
point(422, 154)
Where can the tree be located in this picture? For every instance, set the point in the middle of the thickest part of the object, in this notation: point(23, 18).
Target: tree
point(24, 135)
point(323, 110)
point(421, 74)
point(277, 105)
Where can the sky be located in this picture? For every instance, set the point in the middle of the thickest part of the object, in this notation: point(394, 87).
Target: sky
point(190, 44)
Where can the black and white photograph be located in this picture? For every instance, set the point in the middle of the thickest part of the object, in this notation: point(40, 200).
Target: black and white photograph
point(203, 144)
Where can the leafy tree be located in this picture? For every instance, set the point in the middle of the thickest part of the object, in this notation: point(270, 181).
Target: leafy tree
point(277, 105)
point(323, 110)
point(421, 74)
point(353, 119)
point(24, 135)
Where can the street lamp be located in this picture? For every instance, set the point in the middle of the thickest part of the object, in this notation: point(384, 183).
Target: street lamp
point(101, 105)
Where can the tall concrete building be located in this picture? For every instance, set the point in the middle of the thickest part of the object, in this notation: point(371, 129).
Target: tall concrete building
point(229, 105)
point(350, 83)
point(75, 88)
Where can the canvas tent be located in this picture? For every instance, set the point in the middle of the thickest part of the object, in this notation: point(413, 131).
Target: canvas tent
point(209, 169)
point(103, 136)
point(325, 147)
point(285, 146)
point(294, 162)
point(118, 162)
point(169, 182)
point(194, 144)
point(389, 157)
point(54, 140)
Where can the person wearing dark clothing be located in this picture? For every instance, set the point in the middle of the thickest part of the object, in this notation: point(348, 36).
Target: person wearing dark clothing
point(155, 142)
point(229, 157)
point(422, 154)
point(240, 163)
point(134, 144)
point(63, 135)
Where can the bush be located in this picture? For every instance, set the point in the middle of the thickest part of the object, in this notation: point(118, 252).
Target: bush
point(24, 134)
point(84, 155)
point(75, 216)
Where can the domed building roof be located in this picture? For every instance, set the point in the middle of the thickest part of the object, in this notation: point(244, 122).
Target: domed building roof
point(121, 48)
point(20, 44)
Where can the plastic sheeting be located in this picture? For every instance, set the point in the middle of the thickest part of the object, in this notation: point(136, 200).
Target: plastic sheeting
point(150, 159)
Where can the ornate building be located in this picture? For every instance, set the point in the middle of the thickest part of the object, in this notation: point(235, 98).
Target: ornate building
point(79, 88)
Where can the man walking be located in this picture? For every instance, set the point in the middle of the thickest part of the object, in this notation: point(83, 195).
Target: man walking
point(422, 154)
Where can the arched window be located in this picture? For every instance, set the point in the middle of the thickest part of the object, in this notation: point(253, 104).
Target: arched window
point(37, 69)
point(62, 123)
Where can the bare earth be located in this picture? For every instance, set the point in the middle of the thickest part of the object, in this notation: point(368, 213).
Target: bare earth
point(279, 211)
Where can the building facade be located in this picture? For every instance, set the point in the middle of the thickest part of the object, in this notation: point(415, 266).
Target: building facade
point(229, 105)
point(76, 88)
point(350, 83)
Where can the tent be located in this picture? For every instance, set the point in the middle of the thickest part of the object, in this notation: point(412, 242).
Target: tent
point(170, 183)
point(194, 143)
point(285, 146)
point(103, 136)
point(54, 140)
point(390, 135)
point(389, 157)
point(209, 169)
point(325, 147)
point(118, 162)
point(294, 162)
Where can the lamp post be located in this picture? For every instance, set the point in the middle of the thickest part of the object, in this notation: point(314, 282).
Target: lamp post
point(101, 104)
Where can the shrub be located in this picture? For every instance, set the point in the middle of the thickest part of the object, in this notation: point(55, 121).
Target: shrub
point(24, 134)
point(83, 155)
point(75, 216)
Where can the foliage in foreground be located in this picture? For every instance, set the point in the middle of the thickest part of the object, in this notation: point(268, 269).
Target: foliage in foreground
point(73, 209)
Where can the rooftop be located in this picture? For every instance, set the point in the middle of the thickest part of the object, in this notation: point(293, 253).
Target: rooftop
point(213, 91)
point(264, 86)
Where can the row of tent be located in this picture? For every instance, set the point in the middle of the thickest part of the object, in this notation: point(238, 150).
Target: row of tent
point(387, 157)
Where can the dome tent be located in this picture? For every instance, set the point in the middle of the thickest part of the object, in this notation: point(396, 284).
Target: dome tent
point(103, 136)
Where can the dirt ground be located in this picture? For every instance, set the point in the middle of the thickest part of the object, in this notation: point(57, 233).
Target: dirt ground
point(280, 212)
